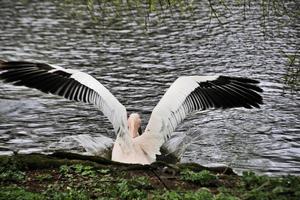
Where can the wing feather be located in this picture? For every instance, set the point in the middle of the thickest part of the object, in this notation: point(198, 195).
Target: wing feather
point(194, 93)
point(68, 83)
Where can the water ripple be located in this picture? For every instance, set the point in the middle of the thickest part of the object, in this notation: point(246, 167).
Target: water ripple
point(138, 66)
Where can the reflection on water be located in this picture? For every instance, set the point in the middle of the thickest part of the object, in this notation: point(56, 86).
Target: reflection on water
point(137, 66)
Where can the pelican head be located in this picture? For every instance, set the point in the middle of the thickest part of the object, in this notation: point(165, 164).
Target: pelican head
point(134, 125)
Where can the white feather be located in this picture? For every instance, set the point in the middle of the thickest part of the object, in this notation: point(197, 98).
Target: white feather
point(184, 96)
point(170, 111)
point(102, 98)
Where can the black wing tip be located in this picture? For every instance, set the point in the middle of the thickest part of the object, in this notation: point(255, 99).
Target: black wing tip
point(229, 92)
point(247, 81)
point(15, 64)
point(259, 89)
point(255, 103)
point(5, 64)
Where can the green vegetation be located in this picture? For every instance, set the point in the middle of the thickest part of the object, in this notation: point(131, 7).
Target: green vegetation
point(14, 192)
point(292, 77)
point(102, 10)
point(204, 177)
point(91, 178)
point(9, 171)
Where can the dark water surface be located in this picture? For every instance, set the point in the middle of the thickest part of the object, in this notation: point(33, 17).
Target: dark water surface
point(138, 65)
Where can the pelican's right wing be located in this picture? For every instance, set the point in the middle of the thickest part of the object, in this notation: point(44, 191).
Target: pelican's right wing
point(193, 93)
point(68, 83)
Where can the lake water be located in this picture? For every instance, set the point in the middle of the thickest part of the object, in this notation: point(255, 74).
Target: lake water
point(138, 65)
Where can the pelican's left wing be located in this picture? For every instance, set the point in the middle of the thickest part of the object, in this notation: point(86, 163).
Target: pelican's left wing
point(193, 93)
point(68, 83)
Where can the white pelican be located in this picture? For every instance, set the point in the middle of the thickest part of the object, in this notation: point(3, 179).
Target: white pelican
point(186, 95)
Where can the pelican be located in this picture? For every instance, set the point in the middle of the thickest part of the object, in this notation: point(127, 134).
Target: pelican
point(185, 96)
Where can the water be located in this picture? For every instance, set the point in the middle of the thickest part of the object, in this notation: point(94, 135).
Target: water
point(138, 65)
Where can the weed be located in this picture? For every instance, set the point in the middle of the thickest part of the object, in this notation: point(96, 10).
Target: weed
point(223, 196)
point(77, 169)
point(250, 180)
point(54, 192)
point(168, 195)
point(141, 182)
point(103, 171)
point(81, 181)
point(202, 194)
point(264, 187)
point(204, 177)
point(44, 177)
point(83, 170)
point(11, 175)
point(64, 169)
point(126, 190)
point(9, 170)
point(11, 193)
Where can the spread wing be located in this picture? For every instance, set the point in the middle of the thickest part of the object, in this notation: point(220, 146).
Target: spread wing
point(68, 83)
point(194, 93)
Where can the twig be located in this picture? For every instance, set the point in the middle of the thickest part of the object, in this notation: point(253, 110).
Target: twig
point(158, 177)
point(214, 12)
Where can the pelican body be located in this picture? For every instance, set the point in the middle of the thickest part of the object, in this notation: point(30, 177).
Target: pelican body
point(186, 95)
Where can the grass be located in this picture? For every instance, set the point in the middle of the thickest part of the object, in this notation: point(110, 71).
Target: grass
point(83, 179)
